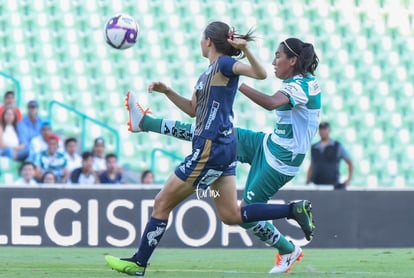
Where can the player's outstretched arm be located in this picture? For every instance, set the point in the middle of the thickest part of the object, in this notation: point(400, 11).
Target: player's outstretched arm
point(266, 101)
point(186, 105)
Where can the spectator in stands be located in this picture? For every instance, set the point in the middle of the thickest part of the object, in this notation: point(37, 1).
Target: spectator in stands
point(85, 174)
point(38, 143)
point(147, 177)
point(27, 172)
point(113, 173)
point(48, 178)
point(52, 160)
point(10, 146)
point(29, 127)
point(325, 160)
point(98, 151)
point(71, 154)
point(10, 101)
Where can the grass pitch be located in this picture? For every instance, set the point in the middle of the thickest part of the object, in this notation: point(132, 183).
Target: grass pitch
point(89, 262)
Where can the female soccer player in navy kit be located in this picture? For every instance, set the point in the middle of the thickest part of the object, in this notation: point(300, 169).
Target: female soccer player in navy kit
point(214, 147)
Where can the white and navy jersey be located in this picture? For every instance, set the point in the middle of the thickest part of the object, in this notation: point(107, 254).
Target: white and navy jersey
point(215, 91)
point(214, 146)
point(297, 124)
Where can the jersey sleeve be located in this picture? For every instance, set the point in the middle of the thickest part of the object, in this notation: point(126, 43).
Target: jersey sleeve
point(226, 65)
point(294, 92)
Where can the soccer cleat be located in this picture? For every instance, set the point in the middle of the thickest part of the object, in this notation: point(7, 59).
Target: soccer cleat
point(126, 265)
point(283, 263)
point(301, 211)
point(135, 113)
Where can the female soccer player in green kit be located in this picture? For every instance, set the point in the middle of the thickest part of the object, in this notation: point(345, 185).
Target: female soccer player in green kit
point(274, 158)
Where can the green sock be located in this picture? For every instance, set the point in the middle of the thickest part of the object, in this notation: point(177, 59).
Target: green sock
point(151, 124)
point(248, 225)
point(267, 232)
point(178, 129)
point(173, 128)
point(283, 245)
point(264, 230)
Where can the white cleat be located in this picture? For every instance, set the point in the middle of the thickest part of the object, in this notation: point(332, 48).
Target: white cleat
point(135, 113)
point(283, 263)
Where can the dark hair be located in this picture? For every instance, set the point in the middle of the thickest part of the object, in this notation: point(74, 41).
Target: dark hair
point(307, 59)
point(110, 155)
point(324, 125)
point(86, 155)
point(219, 32)
point(3, 118)
point(8, 93)
point(70, 139)
point(98, 140)
point(146, 173)
point(47, 173)
point(26, 163)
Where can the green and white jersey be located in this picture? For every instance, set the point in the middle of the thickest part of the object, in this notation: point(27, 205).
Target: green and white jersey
point(55, 163)
point(297, 124)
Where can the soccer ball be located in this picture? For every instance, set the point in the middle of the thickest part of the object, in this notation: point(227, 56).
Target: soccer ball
point(121, 31)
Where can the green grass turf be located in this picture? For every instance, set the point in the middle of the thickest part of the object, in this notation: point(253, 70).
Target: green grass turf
point(89, 262)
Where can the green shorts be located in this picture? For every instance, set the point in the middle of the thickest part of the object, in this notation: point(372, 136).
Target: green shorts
point(262, 181)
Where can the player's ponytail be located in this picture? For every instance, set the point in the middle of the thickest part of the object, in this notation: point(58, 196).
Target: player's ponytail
point(219, 32)
point(307, 60)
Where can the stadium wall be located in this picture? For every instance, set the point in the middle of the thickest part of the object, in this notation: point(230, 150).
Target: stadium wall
point(106, 216)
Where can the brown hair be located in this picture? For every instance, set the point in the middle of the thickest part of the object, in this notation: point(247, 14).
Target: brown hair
point(3, 118)
point(219, 32)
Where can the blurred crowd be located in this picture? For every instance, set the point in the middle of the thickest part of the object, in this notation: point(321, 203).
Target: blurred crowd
point(45, 158)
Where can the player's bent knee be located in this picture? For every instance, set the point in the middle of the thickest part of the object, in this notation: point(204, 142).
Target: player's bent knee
point(231, 219)
point(228, 221)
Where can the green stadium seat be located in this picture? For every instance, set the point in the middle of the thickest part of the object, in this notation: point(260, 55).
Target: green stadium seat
point(8, 170)
point(57, 52)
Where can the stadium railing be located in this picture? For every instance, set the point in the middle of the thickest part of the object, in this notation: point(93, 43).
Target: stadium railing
point(84, 119)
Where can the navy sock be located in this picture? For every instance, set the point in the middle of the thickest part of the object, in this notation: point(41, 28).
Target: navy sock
point(259, 211)
point(150, 238)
